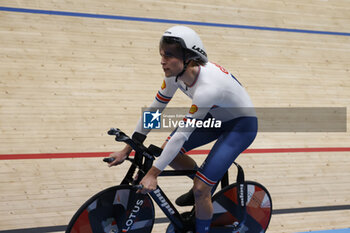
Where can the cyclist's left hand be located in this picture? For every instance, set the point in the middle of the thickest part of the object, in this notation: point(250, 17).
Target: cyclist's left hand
point(149, 184)
point(149, 181)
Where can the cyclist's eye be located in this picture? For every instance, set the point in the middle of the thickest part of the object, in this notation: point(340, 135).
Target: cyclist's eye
point(168, 54)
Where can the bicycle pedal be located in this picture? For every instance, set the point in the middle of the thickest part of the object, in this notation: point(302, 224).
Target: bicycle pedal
point(186, 199)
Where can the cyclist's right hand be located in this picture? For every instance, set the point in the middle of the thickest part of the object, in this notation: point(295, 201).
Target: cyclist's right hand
point(119, 156)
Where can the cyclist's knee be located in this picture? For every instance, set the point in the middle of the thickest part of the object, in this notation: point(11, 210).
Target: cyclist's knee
point(201, 189)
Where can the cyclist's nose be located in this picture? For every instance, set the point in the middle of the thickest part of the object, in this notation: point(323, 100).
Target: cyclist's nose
point(162, 60)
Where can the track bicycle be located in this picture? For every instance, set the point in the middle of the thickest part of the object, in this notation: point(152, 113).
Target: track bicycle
point(241, 207)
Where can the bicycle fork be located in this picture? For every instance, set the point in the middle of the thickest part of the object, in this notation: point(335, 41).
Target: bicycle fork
point(168, 208)
point(163, 202)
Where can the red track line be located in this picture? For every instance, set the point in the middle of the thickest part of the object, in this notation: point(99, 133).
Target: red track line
point(193, 152)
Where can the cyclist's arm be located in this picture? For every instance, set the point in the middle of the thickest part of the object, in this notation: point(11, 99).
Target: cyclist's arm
point(198, 111)
point(162, 98)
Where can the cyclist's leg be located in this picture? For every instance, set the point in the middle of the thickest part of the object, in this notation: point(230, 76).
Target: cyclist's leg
point(199, 137)
point(229, 145)
point(226, 149)
point(203, 205)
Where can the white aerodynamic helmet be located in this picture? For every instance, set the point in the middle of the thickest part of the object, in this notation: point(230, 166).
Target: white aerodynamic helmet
point(188, 39)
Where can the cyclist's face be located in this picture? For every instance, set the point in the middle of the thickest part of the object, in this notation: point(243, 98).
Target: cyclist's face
point(171, 60)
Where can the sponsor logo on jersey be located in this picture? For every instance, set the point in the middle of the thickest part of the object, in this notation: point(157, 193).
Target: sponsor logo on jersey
point(163, 85)
point(193, 109)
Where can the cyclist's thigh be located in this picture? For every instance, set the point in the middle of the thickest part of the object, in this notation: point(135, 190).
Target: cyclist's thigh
point(227, 148)
point(199, 137)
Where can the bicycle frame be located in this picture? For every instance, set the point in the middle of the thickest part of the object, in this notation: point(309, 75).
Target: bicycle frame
point(143, 161)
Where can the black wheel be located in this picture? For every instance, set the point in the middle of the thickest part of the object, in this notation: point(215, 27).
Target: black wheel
point(227, 211)
point(106, 212)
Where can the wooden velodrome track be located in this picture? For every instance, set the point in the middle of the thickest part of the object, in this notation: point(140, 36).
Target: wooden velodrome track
point(65, 79)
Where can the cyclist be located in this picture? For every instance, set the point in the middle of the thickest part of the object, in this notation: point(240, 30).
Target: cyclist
point(216, 95)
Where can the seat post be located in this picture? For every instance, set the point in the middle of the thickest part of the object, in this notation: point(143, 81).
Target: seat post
point(224, 181)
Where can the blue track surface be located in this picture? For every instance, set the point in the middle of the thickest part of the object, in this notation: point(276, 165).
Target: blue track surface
point(347, 230)
point(155, 20)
